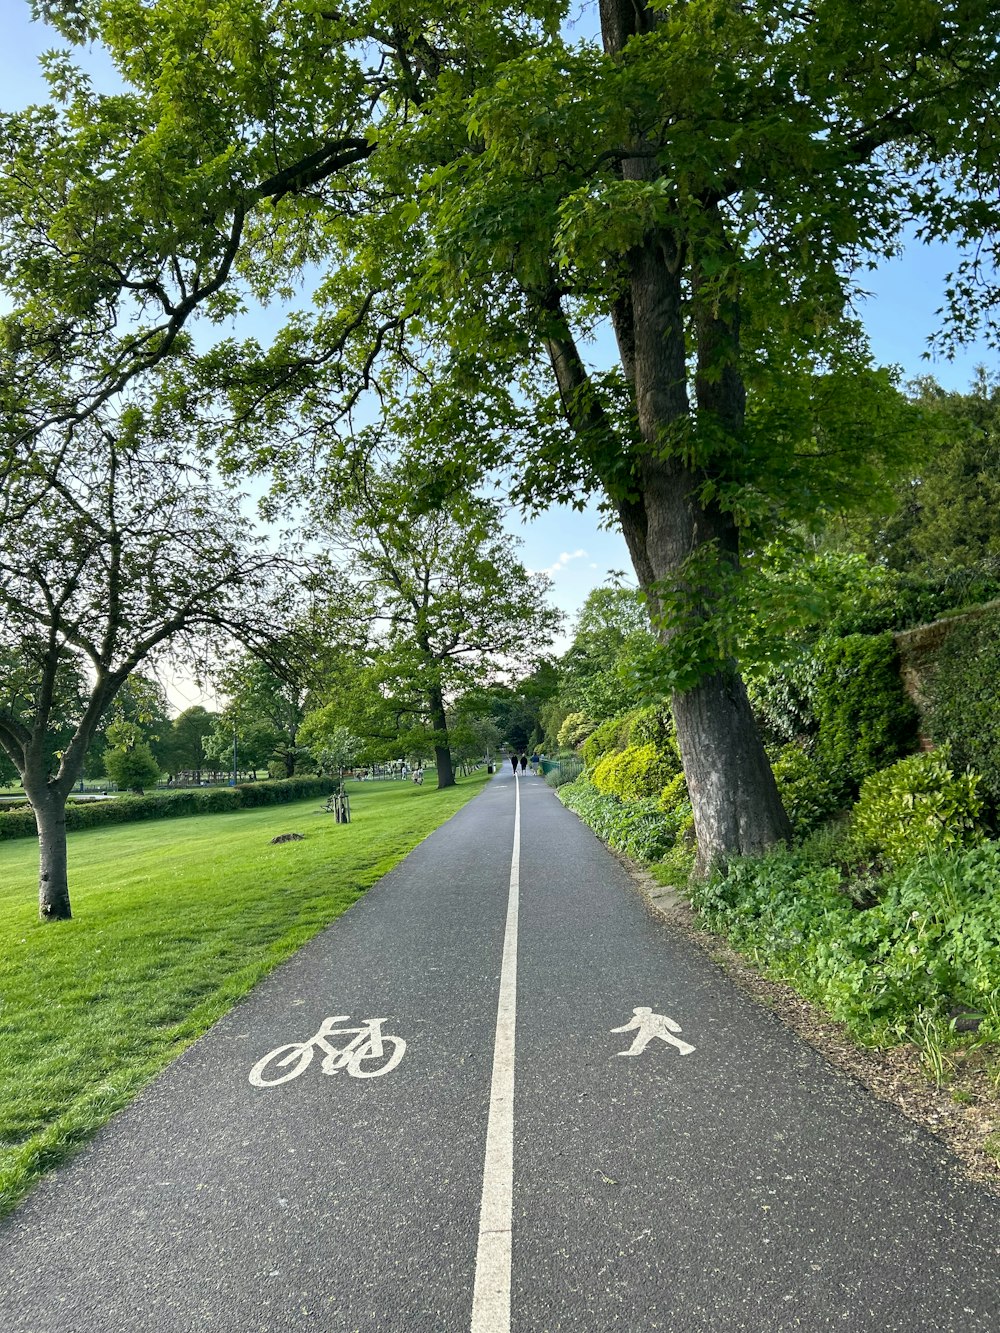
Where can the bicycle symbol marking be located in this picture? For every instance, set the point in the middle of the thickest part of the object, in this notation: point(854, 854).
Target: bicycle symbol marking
point(381, 1052)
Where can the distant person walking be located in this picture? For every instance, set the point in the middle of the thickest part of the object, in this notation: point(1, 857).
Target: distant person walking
point(534, 760)
point(524, 763)
point(513, 762)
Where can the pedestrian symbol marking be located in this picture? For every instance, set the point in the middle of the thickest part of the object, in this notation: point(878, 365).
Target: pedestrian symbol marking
point(371, 1053)
point(646, 1025)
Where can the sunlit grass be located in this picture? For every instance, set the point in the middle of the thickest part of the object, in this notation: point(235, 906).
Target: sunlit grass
point(173, 922)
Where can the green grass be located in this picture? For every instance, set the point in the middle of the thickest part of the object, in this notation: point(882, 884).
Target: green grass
point(173, 922)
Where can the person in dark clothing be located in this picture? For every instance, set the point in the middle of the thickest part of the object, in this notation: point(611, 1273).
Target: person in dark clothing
point(524, 763)
point(513, 761)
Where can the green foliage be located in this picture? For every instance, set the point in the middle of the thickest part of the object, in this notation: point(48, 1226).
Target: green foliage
point(654, 725)
point(598, 675)
point(674, 793)
point(637, 828)
point(916, 806)
point(808, 795)
point(945, 524)
point(609, 736)
point(171, 804)
point(930, 943)
point(575, 728)
point(133, 767)
point(634, 773)
point(963, 698)
point(864, 719)
point(185, 744)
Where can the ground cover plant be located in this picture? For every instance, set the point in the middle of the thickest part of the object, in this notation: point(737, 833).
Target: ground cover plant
point(174, 922)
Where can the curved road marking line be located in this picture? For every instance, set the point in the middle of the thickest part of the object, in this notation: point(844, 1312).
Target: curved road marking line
point(491, 1295)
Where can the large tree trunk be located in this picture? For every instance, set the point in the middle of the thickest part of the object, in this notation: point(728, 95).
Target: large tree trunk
point(48, 803)
point(669, 530)
point(442, 753)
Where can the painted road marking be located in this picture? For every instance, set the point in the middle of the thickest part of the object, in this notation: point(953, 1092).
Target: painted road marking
point(369, 1045)
point(648, 1026)
point(491, 1294)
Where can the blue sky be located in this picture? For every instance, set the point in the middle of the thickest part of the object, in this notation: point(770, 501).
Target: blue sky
point(570, 546)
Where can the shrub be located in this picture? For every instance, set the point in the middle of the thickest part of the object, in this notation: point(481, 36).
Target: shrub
point(634, 773)
point(930, 944)
point(281, 790)
point(808, 796)
point(673, 794)
point(170, 804)
point(132, 767)
point(637, 828)
point(654, 726)
point(963, 698)
point(609, 736)
point(783, 697)
point(916, 806)
point(575, 728)
point(864, 719)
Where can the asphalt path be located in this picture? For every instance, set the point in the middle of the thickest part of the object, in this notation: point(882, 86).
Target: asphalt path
point(500, 1177)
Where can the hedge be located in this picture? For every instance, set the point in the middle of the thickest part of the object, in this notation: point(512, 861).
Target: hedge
point(171, 804)
point(963, 697)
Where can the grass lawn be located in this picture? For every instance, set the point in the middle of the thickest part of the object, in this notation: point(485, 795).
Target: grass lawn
point(173, 921)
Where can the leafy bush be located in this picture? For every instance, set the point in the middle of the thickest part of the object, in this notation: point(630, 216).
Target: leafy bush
point(609, 736)
point(170, 804)
point(282, 790)
point(929, 945)
point(963, 698)
point(782, 698)
point(916, 806)
point(864, 719)
point(654, 726)
point(808, 796)
point(576, 727)
point(634, 773)
point(637, 828)
point(674, 793)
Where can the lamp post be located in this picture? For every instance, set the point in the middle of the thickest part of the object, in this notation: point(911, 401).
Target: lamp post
point(233, 783)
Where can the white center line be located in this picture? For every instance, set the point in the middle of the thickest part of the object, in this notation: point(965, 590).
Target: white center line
point(491, 1296)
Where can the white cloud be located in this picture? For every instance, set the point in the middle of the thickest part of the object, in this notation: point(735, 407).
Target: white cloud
point(562, 562)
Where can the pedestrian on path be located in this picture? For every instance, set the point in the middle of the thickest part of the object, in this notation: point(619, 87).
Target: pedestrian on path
point(524, 763)
point(513, 761)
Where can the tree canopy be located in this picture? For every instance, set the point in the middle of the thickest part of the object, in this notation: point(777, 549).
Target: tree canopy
point(474, 194)
point(446, 604)
point(112, 552)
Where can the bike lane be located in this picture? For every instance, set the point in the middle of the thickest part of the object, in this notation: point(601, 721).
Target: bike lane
point(742, 1185)
point(328, 1202)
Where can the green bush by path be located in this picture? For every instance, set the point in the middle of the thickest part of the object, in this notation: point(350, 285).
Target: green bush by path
point(915, 806)
point(864, 718)
point(174, 922)
point(930, 944)
point(20, 823)
point(963, 698)
point(641, 829)
point(808, 795)
point(635, 773)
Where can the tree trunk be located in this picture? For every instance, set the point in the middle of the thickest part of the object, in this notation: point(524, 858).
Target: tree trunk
point(49, 807)
point(442, 754)
point(669, 530)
